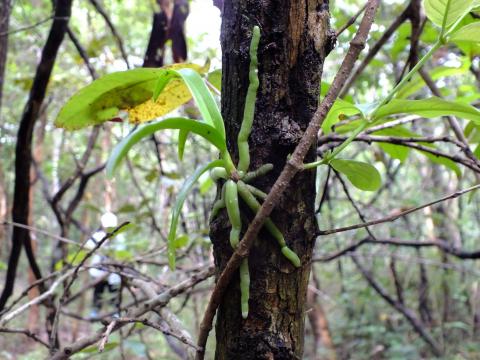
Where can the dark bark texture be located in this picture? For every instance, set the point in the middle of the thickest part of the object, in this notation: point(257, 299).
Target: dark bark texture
point(292, 49)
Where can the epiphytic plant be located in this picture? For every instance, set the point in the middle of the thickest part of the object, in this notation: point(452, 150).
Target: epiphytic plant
point(146, 94)
point(212, 129)
point(103, 99)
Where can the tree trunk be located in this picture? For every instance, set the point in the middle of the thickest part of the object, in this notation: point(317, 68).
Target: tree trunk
point(23, 149)
point(291, 54)
point(5, 9)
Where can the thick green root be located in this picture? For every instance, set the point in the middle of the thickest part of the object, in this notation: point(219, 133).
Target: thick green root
point(218, 173)
point(253, 203)
point(261, 171)
point(233, 210)
point(218, 205)
point(244, 287)
point(259, 194)
point(249, 110)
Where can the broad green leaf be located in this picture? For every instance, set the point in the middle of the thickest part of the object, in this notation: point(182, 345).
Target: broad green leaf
point(349, 126)
point(400, 131)
point(203, 97)
point(429, 108)
point(181, 241)
point(362, 175)
point(395, 151)
point(472, 132)
point(197, 127)
point(366, 108)
point(215, 78)
point(444, 13)
point(468, 33)
point(182, 195)
point(123, 255)
point(477, 151)
point(340, 110)
point(129, 90)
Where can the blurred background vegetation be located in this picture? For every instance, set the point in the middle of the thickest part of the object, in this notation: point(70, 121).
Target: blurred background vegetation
point(350, 317)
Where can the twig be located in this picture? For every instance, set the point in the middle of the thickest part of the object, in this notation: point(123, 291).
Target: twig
point(159, 301)
point(40, 231)
point(441, 244)
point(28, 27)
point(114, 31)
point(406, 312)
point(25, 332)
point(13, 314)
point(375, 49)
point(400, 214)
point(293, 165)
point(350, 21)
point(412, 142)
point(106, 334)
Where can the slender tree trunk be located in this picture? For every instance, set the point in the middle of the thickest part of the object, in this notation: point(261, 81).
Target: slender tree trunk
point(23, 151)
point(5, 8)
point(291, 54)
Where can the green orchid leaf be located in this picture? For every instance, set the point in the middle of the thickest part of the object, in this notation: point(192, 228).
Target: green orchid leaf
point(182, 139)
point(429, 108)
point(362, 175)
point(199, 90)
point(182, 195)
point(206, 131)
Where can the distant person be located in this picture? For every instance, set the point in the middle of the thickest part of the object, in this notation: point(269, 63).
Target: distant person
point(107, 289)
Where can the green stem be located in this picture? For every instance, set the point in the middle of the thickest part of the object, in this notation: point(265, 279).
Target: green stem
point(229, 166)
point(407, 77)
point(371, 117)
point(338, 149)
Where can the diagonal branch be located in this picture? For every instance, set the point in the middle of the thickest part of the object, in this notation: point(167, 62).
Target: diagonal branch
point(114, 31)
point(23, 150)
point(400, 214)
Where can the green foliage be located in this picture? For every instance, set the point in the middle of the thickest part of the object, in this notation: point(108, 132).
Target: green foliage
point(182, 195)
point(468, 33)
point(145, 130)
point(445, 13)
point(429, 108)
point(362, 175)
point(129, 90)
point(203, 97)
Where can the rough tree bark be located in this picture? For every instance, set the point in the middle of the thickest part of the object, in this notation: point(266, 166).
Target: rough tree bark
point(295, 40)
